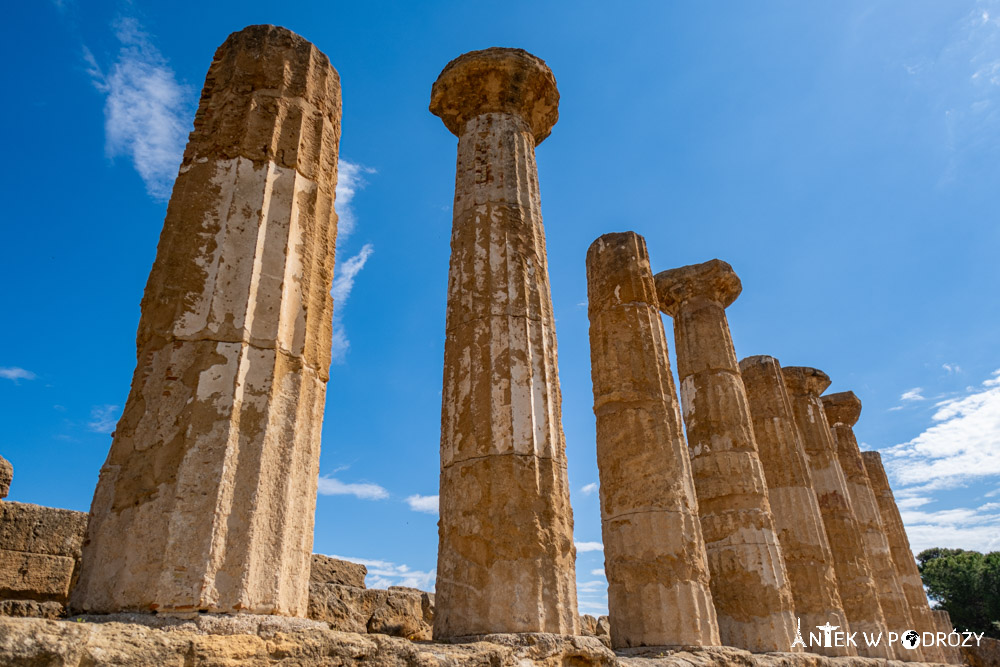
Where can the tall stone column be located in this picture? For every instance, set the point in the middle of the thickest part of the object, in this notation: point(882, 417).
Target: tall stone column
point(858, 591)
point(951, 655)
point(506, 561)
point(902, 554)
point(749, 583)
point(801, 533)
point(654, 553)
point(842, 412)
point(207, 499)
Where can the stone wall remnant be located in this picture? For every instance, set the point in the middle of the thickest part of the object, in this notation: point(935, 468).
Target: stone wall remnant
point(855, 581)
point(506, 554)
point(207, 499)
point(842, 411)
point(749, 583)
point(6, 477)
point(654, 554)
point(952, 655)
point(797, 517)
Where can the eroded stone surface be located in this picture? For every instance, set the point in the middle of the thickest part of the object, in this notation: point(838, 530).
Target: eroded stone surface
point(38, 643)
point(654, 553)
point(902, 555)
point(801, 533)
point(400, 612)
point(951, 654)
point(206, 501)
point(748, 577)
point(858, 591)
point(842, 411)
point(6, 476)
point(39, 554)
point(506, 555)
point(326, 570)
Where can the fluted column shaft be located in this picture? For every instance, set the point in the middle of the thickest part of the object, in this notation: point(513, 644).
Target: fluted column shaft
point(858, 591)
point(952, 655)
point(842, 411)
point(750, 588)
point(797, 517)
point(207, 498)
point(902, 556)
point(506, 555)
point(654, 553)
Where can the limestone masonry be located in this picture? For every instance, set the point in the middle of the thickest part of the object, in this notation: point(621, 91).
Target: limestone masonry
point(749, 582)
point(654, 553)
point(797, 517)
point(207, 498)
point(731, 546)
point(506, 560)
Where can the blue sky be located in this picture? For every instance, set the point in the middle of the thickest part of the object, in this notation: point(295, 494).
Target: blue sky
point(843, 157)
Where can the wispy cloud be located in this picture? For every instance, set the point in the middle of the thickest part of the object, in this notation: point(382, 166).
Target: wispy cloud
point(951, 368)
point(912, 395)
point(588, 489)
point(146, 111)
point(103, 418)
point(589, 546)
point(331, 486)
point(599, 572)
point(350, 179)
point(962, 527)
point(383, 573)
point(419, 503)
point(343, 283)
point(14, 373)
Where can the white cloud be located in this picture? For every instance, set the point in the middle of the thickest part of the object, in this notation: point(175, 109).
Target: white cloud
point(343, 283)
point(961, 527)
point(146, 113)
point(103, 418)
point(350, 179)
point(330, 486)
point(14, 373)
point(589, 546)
point(589, 488)
point(912, 395)
point(598, 608)
point(951, 368)
point(599, 572)
point(591, 586)
point(419, 503)
point(382, 574)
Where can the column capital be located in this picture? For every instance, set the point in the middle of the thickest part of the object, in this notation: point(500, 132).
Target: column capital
point(805, 380)
point(497, 80)
point(714, 280)
point(842, 408)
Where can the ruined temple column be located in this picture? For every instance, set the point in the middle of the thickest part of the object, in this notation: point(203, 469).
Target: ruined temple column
point(749, 583)
point(842, 412)
point(858, 591)
point(506, 561)
point(207, 498)
point(654, 554)
point(902, 555)
point(951, 655)
point(797, 518)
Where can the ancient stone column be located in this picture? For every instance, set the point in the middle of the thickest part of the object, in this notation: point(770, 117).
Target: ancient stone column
point(842, 412)
point(6, 476)
point(797, 518)
point(654, 554)
point(207, 498)
point(858, 591)
point(749, 583)
point(902, 555)
point(952, 655)
point(506, 561)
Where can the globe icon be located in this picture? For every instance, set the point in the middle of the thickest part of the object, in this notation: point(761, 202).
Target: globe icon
point(911, 639)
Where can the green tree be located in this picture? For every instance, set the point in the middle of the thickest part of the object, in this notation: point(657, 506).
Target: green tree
point(966, 584)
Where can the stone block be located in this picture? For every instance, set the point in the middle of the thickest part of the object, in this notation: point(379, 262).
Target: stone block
point(326, 570)
point(35, 576)
point(41, 530)
point(6, 476)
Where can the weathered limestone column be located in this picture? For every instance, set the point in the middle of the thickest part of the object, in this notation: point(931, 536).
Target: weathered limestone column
point(207, 498)
point(902, 555)
point(654, 553)
point(749, 583)
point(951, 655)
point(506, 561)
point(801, 533)
point(842, 412)
point(858, 591)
